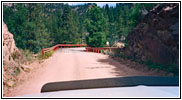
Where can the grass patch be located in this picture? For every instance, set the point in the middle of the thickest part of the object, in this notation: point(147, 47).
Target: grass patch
point(46, 55)
point(152, 65)
point(170, 68)
point(28, 55)
point(122, 55)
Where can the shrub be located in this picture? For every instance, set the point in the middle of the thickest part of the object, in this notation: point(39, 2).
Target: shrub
point(15, 55)
point(45, 55)
point(126, 43)
point(97, 39)
point(122, 55)
point(170, 68)
point(28, 55)
point(152, 65)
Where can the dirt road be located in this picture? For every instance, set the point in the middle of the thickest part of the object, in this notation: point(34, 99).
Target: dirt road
point(73, 64)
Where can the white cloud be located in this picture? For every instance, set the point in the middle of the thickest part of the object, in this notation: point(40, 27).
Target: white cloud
point(103, 4)
point(99, 4)
point(74, 3)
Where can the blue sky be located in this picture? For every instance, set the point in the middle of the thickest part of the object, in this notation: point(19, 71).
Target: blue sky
point(99, 4)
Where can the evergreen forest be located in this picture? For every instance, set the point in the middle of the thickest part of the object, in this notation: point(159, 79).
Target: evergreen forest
point(41, 25)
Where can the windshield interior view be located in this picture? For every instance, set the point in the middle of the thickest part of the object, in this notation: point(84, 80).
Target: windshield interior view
point(91, 49)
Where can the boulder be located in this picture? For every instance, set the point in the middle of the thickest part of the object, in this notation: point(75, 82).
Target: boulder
point(25, 68)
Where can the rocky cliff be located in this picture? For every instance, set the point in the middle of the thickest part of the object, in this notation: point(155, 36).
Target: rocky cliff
point(156, 37)
point(13, 59)
point(9, 64)
point(8, 43)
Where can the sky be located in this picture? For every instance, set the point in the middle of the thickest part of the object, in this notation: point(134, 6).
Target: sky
point(99, 4)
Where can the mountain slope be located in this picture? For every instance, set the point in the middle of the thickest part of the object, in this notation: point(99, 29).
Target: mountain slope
point(155, 39)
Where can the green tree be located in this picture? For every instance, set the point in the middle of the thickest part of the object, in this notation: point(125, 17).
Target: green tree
point(135, 15)
point(37, 26)
point(53, 24)
point(35, 33)
point(69, 26)
point(96, 26)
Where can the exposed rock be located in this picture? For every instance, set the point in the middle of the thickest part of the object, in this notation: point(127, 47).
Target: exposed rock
point(26, 68)
point(156, 37)
point(8, 42)
point(119, 44)
point(9, 47)
point(10, 83)
point(12, 60)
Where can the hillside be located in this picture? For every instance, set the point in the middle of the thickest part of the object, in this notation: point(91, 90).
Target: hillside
point(155, 39)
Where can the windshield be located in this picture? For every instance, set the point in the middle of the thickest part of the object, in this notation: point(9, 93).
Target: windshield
point(88, 45)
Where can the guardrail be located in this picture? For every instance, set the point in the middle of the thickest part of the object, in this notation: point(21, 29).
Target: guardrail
point(54, 48)
point(88, 49)
point(99, 50)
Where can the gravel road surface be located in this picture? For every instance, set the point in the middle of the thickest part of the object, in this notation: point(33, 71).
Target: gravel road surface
point(72, 64)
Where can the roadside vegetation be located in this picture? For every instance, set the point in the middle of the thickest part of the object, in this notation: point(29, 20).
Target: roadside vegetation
point(46, 55)
point(28, 57)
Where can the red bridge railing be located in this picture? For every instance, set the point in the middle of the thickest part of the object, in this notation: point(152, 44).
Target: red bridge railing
point(88, 49)
point(62, 46)
point(100, 49)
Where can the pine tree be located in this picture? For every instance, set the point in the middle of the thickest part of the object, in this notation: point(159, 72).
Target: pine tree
point(96, 26)
point(69, 27)
point(135, 15)
point(37, 26)
point(36, 35)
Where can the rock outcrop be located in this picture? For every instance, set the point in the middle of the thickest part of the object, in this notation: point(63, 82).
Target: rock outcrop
point(9, 46)
point(9, 65)
point(156, 37)
point(12, 60)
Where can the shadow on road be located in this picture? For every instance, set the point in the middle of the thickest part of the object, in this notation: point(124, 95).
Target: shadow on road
point(117, 67)
point(124, 67)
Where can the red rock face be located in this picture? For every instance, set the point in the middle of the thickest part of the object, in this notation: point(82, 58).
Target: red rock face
point(9, 63)
point(8, 41)
point(156, 37)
